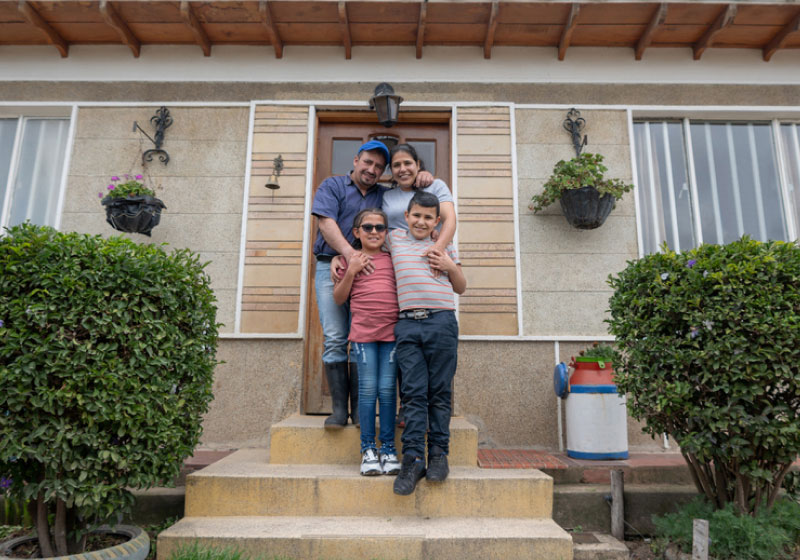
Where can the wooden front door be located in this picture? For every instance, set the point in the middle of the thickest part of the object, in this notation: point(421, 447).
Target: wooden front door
point(339, 136)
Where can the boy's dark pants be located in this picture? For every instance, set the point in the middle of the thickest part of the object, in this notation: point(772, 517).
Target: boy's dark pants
point(426, 354)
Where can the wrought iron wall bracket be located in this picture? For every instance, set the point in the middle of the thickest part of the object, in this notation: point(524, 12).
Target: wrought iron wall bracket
point(161, 121)
point(574, 124)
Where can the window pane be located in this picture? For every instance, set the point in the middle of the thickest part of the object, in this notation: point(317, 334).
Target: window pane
point(666, 204)
point(343, 153)
point(790, 136)
point(8, 129)
point(737, 181)
point(41, 162)
point(426, 150)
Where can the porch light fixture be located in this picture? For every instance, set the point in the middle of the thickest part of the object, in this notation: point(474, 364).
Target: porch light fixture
point(277, 167)
point(386, 104)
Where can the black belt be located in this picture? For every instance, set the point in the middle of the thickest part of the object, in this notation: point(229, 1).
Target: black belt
point(325, 258)
point(419, 314)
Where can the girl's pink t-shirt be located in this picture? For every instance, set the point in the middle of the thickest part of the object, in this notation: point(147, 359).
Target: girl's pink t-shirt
point(373, 303)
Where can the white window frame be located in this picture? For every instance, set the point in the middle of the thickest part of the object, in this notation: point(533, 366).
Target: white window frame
point(775, 118)
point(21, 114)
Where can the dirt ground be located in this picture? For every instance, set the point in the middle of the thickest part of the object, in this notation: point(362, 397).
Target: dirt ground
point(640, 550)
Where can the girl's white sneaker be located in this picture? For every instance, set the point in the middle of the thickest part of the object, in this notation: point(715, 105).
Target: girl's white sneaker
point(370, 464)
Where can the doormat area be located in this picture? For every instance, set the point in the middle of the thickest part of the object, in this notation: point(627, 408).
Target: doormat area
point(518, 459)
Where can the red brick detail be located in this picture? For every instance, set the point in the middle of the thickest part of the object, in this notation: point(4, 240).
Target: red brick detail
point(517, 459)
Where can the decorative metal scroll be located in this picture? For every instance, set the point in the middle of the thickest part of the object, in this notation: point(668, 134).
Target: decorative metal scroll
point(574, 124)
point(161, 121)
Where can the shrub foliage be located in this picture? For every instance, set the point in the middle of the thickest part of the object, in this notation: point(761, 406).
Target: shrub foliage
point(710, 354)
point(107, 352)
point(772, 534)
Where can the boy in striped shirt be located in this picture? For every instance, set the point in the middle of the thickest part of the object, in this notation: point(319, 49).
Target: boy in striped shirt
point(427, 340)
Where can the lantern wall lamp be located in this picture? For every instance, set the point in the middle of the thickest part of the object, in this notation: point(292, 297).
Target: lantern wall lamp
point(386, 104)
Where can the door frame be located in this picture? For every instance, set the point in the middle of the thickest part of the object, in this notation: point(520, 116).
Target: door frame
point(350, 116)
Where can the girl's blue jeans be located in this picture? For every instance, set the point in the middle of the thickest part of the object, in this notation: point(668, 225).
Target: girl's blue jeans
point(377, 379)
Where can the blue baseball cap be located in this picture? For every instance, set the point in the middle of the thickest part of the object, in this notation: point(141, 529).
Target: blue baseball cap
point(375, 145)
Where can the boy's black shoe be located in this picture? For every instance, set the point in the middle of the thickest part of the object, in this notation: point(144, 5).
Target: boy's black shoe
point(437, 464)
point(412, 469)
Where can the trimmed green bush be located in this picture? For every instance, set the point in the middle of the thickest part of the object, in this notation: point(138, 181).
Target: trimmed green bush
point(709, 346)
point(770, 535)
point(107, 352)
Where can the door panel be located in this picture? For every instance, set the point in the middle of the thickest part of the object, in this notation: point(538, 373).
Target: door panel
point(337, 142)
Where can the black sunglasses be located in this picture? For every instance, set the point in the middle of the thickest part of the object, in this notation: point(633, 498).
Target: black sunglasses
point(369, 227)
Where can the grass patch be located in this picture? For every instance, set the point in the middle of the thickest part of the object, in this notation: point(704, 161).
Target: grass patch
point(773, 534)
point(196, 551)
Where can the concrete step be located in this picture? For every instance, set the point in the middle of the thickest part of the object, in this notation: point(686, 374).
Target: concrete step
point(301, 439)
point(244, 484)
point(387, 538)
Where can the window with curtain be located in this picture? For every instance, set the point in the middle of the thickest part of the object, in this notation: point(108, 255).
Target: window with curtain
point(32, 153)
point(712, 181)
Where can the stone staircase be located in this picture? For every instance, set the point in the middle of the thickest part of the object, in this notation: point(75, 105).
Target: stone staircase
point(306, 500)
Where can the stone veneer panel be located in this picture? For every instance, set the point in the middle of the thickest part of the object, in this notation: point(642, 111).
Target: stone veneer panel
point(564, 290)
point(202, 185)
point(274, 241)
point(486, 222)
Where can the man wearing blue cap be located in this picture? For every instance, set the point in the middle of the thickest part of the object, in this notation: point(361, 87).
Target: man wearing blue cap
point(336, 203)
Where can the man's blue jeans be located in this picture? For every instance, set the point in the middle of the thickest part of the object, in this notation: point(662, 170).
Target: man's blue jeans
point(334, 318)
point(377, 378)
point(427, 352)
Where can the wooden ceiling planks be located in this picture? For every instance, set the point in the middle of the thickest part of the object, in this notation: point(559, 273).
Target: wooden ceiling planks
point(348, 23)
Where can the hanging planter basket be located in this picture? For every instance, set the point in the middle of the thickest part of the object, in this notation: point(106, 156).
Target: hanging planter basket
point(585, 208)
point(133, 214)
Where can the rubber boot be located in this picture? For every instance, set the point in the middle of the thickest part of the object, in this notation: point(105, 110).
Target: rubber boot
point(337, 382)
point(354, 418)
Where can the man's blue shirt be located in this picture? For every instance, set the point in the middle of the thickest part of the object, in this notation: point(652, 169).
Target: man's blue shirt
point(339, 198)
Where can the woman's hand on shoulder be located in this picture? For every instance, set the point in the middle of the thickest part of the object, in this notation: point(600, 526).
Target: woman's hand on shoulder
point(424, 179)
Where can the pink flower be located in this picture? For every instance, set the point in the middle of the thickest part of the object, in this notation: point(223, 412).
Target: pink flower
point(139, 177)
point(110, 187)
point(115, 178)
point(100, 195)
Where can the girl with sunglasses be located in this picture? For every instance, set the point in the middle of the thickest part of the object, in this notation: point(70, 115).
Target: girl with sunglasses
point(374, 311)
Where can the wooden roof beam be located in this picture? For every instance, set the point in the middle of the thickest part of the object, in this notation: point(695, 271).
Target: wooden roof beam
point(269, 24)
point(423, 15)
point(778, 40)
point(114, 21)
point(345, 25)
point(569, 27)
point(33, 17)
point(724, 19)
point(647, 37)
point(491, 28)
point(190, 19)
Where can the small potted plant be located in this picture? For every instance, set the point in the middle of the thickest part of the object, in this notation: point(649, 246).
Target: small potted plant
point(130, 206)
point(586, 196)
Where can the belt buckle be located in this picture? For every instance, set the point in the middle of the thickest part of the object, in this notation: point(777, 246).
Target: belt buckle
point(420, 314)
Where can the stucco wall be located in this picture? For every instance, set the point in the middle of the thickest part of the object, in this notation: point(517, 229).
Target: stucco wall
point(504, 387)
point(564, 269)
point(201, 185)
